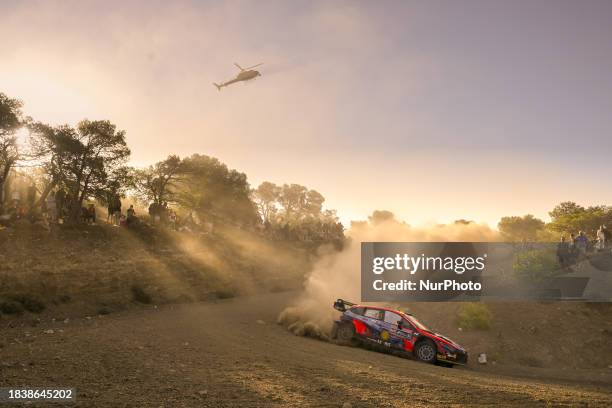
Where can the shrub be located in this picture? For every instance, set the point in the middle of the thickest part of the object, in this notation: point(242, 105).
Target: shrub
point(225, 293)
point(29, 303)
point(475, 316)
point(139, 295)
point(11, 307)
point(536, 265)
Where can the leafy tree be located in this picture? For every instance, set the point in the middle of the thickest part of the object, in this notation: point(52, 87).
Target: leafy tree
point(292, 198)
point(102, 149)
point(266, 198)
point(571, 217)
point(119, 180)
point(80, 159)
point(520, 228)
point(10, 122)
point(564, 209)
point(54, 147)
point(298, 203)
point(380, 216)
point(215, 192)
point(156, 182)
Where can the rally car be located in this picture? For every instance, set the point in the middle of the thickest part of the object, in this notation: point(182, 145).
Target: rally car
point(395, 331)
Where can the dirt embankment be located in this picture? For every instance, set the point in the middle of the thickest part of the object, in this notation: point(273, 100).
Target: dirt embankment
point(101, 269)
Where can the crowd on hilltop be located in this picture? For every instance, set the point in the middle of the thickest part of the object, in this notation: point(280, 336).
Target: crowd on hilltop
point(55, 208)
point(579, 245)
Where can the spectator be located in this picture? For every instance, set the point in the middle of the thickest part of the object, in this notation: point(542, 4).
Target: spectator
point(91, 213)
point(582, 242)
point(51, 207)
point(563, 253)
point(117, 210)
point(60, 197)
point(131, 215)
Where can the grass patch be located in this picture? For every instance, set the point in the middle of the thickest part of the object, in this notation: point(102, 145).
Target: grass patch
point(475, 316)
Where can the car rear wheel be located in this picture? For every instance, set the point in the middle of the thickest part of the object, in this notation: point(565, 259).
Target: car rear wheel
point(345, 333)
point(426, 351)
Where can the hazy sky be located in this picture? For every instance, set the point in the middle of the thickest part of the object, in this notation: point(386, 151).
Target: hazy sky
point(435, 110)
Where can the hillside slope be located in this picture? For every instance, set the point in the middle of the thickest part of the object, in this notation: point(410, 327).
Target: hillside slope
point(100, 267)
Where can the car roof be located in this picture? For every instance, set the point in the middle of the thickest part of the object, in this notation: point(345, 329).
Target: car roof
point(383, 308)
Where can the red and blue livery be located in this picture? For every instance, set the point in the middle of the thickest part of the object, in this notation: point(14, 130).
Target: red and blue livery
point(395, 331)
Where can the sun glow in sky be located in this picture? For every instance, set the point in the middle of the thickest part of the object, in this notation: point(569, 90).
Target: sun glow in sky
point(433, 110)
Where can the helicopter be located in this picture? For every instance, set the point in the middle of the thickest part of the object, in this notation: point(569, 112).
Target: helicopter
point(245, 74)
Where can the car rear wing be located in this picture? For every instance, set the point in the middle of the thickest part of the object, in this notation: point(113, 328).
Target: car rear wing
point(341, 305)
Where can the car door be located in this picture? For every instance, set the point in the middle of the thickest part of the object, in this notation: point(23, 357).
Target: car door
point(391, 326)
point(373, 318)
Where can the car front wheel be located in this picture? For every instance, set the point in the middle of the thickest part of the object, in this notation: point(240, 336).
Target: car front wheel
point(426, 352)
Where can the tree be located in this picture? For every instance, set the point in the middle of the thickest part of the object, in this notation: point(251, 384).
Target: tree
point(564, 209)
point(292, 198)
point(266, 198)
point(55, 148)
point(80, 159)
point(298, 203)
point(10, 122)
point(380, 216)
point(156, 182)
point(570, 217)
point(215, 192)
point(520, 228)
point(101, 150)
point(119, 180)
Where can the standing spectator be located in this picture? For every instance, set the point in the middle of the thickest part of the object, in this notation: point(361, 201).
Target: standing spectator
point(91, 213)
point(51, 207)
point(563, 253)
point(110, 210)
point(131, 215)
point(582, 242)
point(31, 199)
point(117, 211)
point(601, 238)
point(60, 200)
point(16, 197)
point(173, 220)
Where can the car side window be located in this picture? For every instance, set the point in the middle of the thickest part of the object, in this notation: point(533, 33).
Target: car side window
point(374, 313)
point(392, 318)
point(406, 325)
point(358, 310)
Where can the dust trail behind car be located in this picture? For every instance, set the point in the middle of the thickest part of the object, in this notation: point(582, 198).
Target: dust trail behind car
point(337, 274)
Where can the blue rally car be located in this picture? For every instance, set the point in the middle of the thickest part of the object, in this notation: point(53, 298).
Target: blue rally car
point(395, 331)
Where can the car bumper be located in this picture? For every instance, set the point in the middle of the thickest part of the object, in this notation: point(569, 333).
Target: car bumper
point(458, 358)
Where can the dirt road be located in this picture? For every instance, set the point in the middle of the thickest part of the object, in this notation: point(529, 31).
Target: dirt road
point(233, 354)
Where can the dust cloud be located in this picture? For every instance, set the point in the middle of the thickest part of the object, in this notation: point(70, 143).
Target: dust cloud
point(337, 274)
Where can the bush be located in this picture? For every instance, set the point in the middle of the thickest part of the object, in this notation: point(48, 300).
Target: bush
point(139, 295)
point(29, 303)
point(475, 316)
point(11, 307)
point(536, 265)
point(225, 293)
